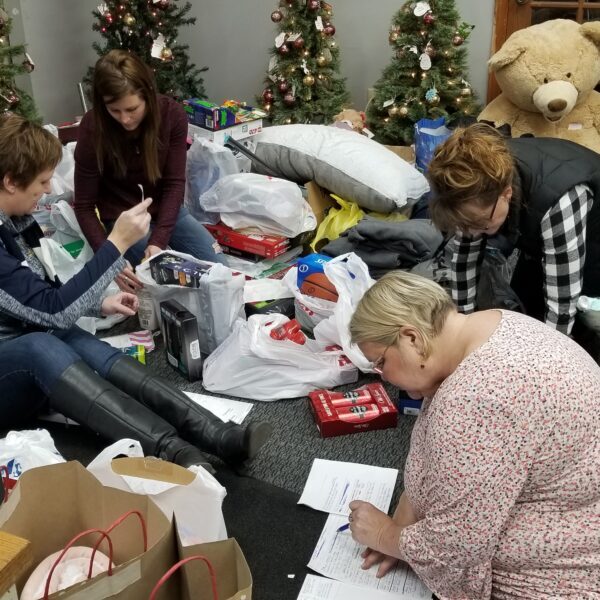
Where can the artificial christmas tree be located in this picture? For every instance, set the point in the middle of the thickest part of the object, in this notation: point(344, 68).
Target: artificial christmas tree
point(427, 76)
point(149, 28)
point(303, 82)
point(13, 61)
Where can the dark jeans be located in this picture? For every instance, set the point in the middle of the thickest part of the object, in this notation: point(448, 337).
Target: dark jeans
point(31, 364)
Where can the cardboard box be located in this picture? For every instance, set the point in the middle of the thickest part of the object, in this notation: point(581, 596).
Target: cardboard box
point(405, 152)
point(182, 344)
point(319, 200)
point(334, 418)
point(214, 117)
point(237, 132)
point(267, 246)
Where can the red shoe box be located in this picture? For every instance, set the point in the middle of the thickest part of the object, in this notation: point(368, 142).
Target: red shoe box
point(365, 408)
point(267, 246)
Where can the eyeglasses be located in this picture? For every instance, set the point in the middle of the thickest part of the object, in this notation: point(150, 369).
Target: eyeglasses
point(489, 219)
point(377, 366)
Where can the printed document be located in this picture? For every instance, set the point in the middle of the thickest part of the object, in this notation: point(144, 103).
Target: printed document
point(319, 588)
point(332, 485)
point(338, 556)
point(225, 409)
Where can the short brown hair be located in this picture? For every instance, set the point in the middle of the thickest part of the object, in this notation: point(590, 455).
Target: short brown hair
point(26, 150)
point(116, 75)
point(471, 168)
point(401, 299)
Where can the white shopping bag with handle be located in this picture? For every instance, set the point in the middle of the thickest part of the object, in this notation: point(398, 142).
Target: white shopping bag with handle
point(195, 497)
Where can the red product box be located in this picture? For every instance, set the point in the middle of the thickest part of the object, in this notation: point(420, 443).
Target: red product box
point(268, 246)
point(363, 409)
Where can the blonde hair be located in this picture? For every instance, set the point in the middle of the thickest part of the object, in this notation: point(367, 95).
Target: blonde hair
point(397, 300)
point(26, 150)
point(471, 168)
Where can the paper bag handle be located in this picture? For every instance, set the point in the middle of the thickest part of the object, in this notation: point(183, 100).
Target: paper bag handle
point(176, 566)
point(4, 481)
point(116, 523)
point(62, 554)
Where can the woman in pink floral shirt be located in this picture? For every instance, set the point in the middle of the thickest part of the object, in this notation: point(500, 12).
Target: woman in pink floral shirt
point(502, 482)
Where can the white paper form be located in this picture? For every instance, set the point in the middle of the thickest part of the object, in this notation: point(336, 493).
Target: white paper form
point(332, 485)
point(338, 556)
point(225, 409)
point(319, 588)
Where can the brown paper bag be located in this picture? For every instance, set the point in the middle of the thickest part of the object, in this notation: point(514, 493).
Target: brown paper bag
point(50, 505)
point(234, 581)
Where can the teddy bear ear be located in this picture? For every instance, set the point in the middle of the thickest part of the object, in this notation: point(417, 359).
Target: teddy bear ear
point(591, 30)
point(505, 56)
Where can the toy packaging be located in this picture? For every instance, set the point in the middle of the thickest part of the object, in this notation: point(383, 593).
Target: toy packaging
point(312, 281)
point(212, 116)
point(169, 269)
point(267, 246)
point(180, 334)
point(363, 409)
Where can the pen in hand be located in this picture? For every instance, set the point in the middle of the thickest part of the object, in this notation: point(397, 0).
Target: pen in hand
point(343, 527)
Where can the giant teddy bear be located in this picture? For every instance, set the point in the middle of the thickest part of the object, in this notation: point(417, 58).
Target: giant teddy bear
point(547, 74)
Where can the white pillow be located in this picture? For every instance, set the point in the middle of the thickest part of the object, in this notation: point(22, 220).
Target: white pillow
point(343, 162)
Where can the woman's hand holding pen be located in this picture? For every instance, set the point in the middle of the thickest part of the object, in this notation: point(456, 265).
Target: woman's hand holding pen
point(131, 226)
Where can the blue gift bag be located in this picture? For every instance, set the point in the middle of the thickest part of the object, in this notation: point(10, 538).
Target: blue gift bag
point(428, 134)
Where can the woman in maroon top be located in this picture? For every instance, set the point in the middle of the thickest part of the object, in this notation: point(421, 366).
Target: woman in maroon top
point(135, 137)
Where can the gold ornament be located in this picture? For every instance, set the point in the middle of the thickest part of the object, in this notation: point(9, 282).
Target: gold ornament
point(433, 100)
point(393, 37)
point(466, 91)
point(393, 111)
point(321, 60)
point(129, 19)
point(166, 54)
point(403, 110)
point(308, 80)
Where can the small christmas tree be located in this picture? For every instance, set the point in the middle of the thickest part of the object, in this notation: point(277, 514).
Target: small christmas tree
point(427, 76)
point(14, 61)
point(149, 28)
point(303, 82)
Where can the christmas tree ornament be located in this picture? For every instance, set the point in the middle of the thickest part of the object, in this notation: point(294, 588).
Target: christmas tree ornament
point(430, 50)
point(267, 107)
point(166, 54)
point(465, 92)
point(313, 4)
point(283, 49)
point(393, 37)
point(457, 40)
point(429, 19)
point(268, 95)
point(276, 16)
point(421, 9)
point(393, 111)
point(13, 98)
point(329, 30)
point(425, 61)
point(289, 100)
point(403, 110)
point(162, 4)
point(308, 80)
point(129, 19)
point(432, 97)
point(321, 60)
point(299, 43)
point(283, 86)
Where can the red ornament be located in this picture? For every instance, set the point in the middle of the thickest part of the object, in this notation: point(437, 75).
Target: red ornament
point(298, 43)
point(268, 95)
point(283, 49)
point(457, 40)
point(162, 4)
point(289, 99)
point(283, 86)
point(429, 19)
point(329, 30)
point(313, 4)
point(276, 16)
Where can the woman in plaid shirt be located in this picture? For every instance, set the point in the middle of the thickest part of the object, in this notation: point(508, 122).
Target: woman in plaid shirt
point(536, 192)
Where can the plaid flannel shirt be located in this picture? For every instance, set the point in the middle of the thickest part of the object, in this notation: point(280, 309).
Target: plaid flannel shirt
point(563, 234)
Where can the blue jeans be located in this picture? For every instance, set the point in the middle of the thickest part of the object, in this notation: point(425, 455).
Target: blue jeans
point(31, 364)
point(188, 236)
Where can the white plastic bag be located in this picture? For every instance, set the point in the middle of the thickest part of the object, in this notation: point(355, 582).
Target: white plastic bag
point(251, 364)
point(216, 304)
point(350, 276)
point(24, 450)
point(310, 311)
point(206, 163)
point(273, 206)
point(196, 504)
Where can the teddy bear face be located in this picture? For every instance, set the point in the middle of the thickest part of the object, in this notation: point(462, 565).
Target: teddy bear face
point(548, 68)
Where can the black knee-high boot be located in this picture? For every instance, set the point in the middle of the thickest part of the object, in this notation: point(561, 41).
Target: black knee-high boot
point(87, 398)
point(229, 441)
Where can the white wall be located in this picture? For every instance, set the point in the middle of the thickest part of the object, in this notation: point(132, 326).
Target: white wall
point(232, 41)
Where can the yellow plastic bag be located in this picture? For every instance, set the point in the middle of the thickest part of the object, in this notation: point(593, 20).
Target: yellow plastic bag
point(336, 222)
